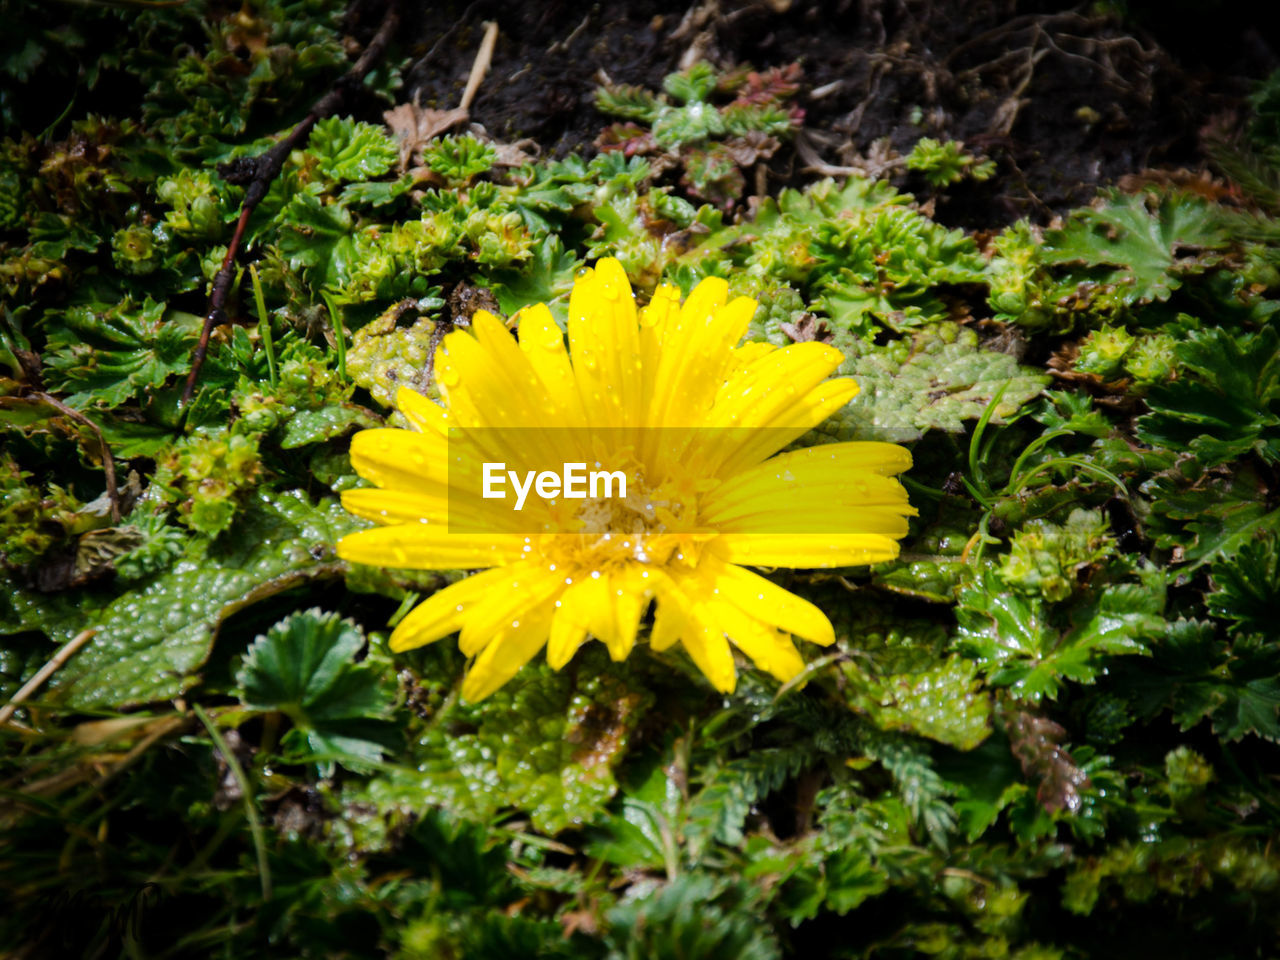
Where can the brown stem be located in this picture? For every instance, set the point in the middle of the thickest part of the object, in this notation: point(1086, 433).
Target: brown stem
point(266, 166)
point(108, 462)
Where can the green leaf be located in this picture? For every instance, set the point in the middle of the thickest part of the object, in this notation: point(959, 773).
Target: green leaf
point(1226, 404)
point(1151, 242)
point(317, 237)
point(1199, 676)
point(546, 746)
point(333, 420)
point(720, 808)
point(942, 701)
point(692, 85)
point(683, 920)
point(1011, 636)
point(1207, 516)
point(107, 357)
point(1248, 585)
point(303, 667)
point(935, 380)
point(298, 662)
point(629, 102)
point(459, 159)
point(152, 642)
point(546, 278)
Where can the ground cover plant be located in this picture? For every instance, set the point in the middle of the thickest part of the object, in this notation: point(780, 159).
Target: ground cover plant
point(1044, 242)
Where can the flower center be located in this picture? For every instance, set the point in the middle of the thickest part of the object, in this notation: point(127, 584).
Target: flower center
point(650, 525)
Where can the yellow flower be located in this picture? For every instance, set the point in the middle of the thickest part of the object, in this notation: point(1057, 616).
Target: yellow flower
point(694, 423)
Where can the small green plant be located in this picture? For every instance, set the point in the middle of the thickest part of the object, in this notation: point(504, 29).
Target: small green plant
point(713, 143)
point(946, 162)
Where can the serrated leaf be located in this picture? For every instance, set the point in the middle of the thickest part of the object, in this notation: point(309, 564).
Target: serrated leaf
point(110, 356)
point(347, 150)
point(1226, 403)
point(298, 661)
point(721, 806)
point(546, 278)
point(303, 667)
point(1011, 636)
point(547, 747)
point(943, 701)
point(1151, 242)
point(1248, 585)
point(1214, 517)
point(935, 380)
point(152, 642)
point(1237, 686)
point(317, 237)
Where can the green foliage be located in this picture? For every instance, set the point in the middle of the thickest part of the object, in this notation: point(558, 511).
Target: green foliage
point(1150, 243)
point(345, 150)
point(1122, 253)
point(152, 640)
point(1226, 404)
point(713, 144)
point(207, 475)
point(1019, 645)
point(546, 746)
point(1047, 559)
point(1049, 723)
point(1248, 585)
point(692, 918)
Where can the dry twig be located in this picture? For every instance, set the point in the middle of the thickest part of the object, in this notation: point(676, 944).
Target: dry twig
point(44, 673)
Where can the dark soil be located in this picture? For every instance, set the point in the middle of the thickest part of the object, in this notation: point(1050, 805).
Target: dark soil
point(1065, 100)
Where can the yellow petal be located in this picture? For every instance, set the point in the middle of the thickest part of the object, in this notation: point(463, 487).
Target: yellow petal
point(681, 599)
point(425, 416)
point(801, 491)
point(401, 460)
point(696, 354)
point(786, 425)
point(668, 624)
point(604, 341)
point(769, 650)
point(568, 633)
point(444, 611)
point(806, 549)
point(526, 588)
point(501, 659)
point(765, 601)
point(709, 649)
point(772, 384)
point(396, 506)
point(420, 547)
point(542, 342)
